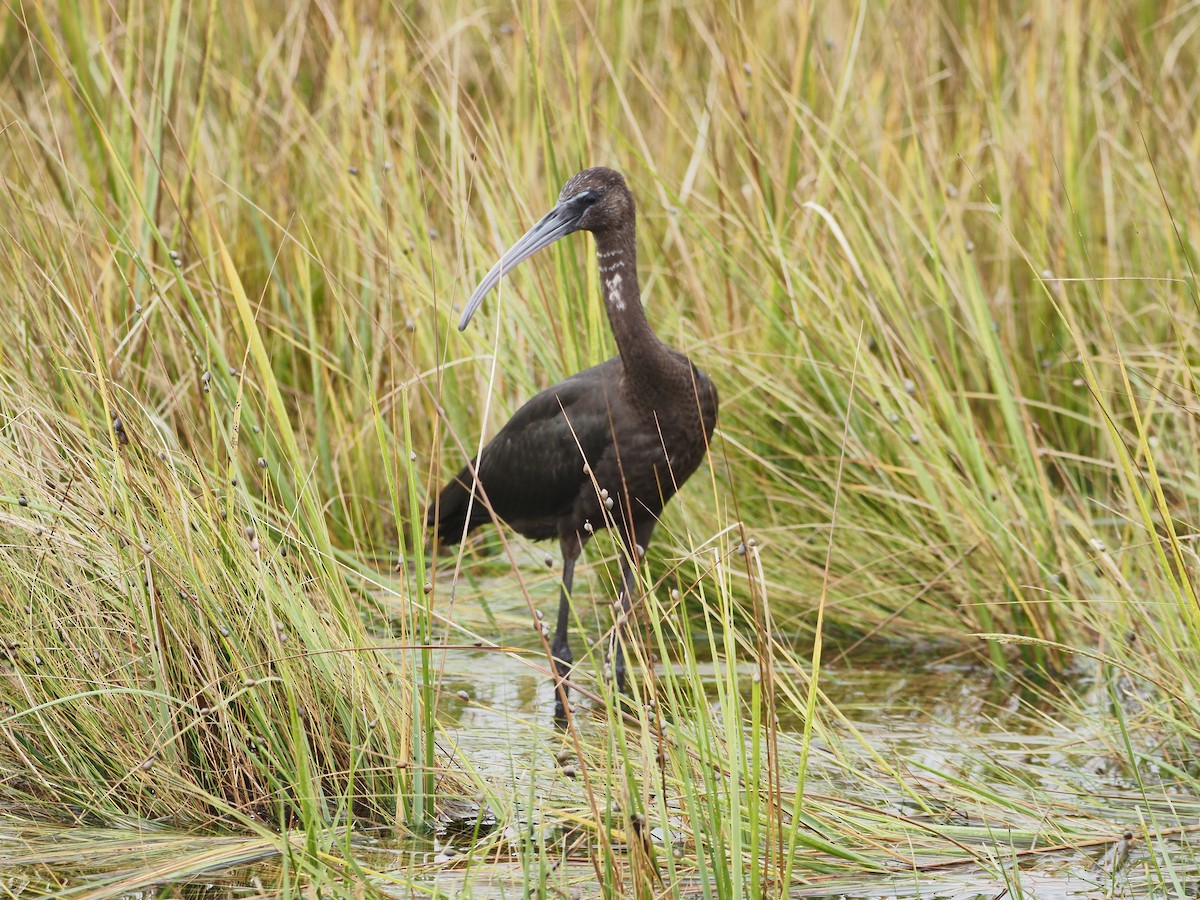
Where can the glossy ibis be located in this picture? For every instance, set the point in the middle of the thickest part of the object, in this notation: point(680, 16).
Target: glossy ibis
point(606, 448)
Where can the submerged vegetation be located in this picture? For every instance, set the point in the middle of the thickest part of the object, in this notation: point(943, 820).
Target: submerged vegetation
point(940, 262)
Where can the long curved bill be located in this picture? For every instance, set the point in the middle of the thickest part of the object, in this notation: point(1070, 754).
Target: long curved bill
point(560, 221)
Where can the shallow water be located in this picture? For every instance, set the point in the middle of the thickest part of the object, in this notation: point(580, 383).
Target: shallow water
point(924, 712)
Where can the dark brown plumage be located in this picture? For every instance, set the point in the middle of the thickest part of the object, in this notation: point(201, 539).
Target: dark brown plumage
point(607, 447)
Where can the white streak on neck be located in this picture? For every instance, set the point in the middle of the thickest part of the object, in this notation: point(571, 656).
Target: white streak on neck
point(613, 286)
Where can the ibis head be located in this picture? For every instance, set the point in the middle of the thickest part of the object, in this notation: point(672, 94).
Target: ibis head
point(595, 200)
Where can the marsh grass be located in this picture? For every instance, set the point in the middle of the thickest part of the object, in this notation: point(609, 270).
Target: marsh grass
point(940, 263)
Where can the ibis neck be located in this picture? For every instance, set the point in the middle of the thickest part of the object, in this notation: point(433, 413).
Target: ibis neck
point(639, 346)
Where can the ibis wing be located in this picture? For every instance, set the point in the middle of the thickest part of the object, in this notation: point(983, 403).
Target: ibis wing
point(534, 467)
point(532, 471)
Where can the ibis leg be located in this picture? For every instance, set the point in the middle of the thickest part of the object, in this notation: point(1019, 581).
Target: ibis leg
point(560, 648)
point(616, 649)
point(629, 563)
